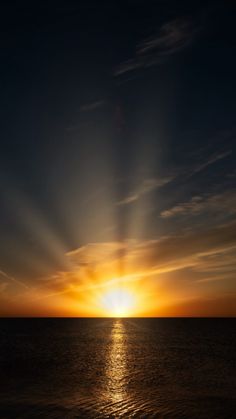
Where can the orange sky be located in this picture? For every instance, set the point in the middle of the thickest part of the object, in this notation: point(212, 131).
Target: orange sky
point(187, 275)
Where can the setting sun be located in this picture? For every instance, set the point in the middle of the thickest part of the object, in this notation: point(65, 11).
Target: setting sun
point(118, 303)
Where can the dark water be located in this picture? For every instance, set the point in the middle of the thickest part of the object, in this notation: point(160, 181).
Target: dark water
point(111, 368)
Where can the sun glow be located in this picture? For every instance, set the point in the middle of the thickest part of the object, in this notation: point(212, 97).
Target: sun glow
point(118, 303)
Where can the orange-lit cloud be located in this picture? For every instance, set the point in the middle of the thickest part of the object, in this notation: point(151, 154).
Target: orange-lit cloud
point(174, 275)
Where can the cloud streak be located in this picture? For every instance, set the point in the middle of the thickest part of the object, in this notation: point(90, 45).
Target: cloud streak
point(93, 106)
point(222, 203)
point(12, 279)
point(173, 36)
point(211, 160)
point(99, 262)
point(176, 266)
point(146, 186)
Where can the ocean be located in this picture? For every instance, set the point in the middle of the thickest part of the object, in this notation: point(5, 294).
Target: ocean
point(118, 368)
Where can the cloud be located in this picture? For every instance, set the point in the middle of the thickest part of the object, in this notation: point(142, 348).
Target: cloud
point(177, 268)
point(173, 252)
point(146, 186)
point(129, 199)
point(216, 263)
point(97, 263)
point(212, 159)
point(224, 203)
point(12, 279)
point(172, 37)
point(88, 107)
point(95, 252)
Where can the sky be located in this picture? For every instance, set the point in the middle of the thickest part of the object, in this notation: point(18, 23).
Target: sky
point(117, 158)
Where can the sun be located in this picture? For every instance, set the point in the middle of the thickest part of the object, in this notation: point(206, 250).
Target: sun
point(118, 303)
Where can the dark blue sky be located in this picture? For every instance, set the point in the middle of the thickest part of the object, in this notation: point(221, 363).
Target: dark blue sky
point(117, 122)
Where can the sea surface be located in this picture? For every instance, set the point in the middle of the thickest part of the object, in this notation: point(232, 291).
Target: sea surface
point(118, 368)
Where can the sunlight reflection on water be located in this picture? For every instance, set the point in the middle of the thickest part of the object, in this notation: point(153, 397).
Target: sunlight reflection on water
point(116, 366)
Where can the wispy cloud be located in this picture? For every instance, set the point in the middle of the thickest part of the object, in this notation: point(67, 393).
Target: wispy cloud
point(211, 160)
point(172, 37)
point(92, 106)
point(129, 199)
point(12, 279)
point(218, 203)
point(181, 266)
point(99, 262)
point(146, 186)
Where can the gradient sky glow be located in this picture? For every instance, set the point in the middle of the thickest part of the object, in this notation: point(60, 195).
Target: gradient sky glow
point(117, 158)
